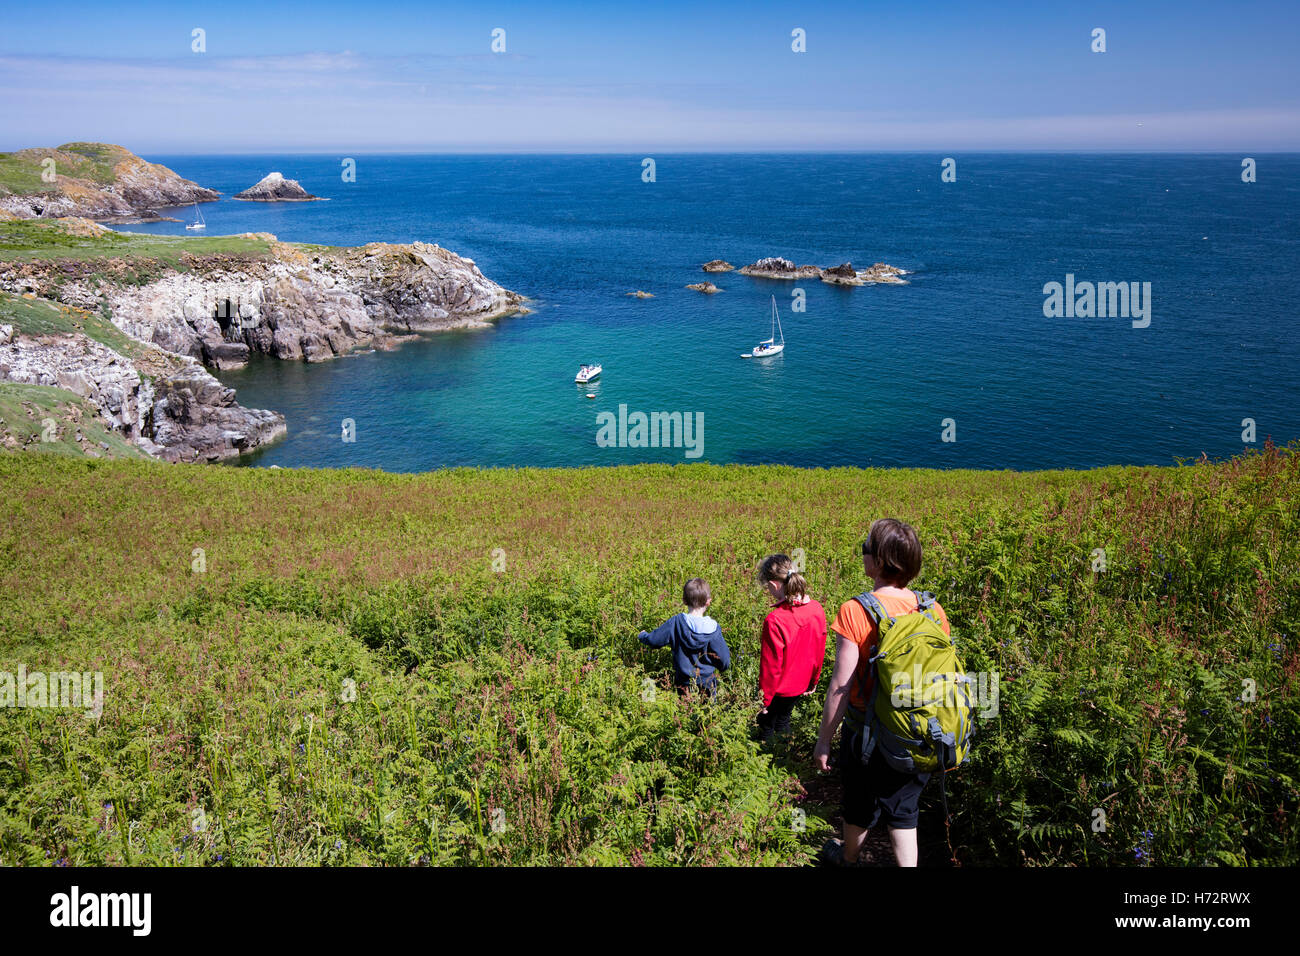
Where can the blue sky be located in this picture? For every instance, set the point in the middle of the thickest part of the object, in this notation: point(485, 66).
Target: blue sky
point(589, 77)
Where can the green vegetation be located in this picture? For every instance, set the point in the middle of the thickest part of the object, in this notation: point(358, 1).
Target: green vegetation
point(42, 317)
point(24, 414)
point(20, 172)
point(502, 715)
point(24, 240)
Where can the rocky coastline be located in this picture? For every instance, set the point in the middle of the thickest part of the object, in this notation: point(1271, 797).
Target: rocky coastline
point(99, 181)
point(131, 324)
point(167, 405)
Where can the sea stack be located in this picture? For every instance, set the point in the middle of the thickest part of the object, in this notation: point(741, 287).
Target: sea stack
point(275, 188)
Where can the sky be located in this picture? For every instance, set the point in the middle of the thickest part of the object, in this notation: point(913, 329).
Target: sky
point(712, 75)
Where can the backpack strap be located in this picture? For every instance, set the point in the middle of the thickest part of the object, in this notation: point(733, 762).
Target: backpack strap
point(875, 610)
point(925, 604)
point(883, 621)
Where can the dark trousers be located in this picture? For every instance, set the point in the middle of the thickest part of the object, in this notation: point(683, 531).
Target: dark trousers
point(777, 718)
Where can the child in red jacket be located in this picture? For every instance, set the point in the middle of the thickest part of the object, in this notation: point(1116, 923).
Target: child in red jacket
point(794, 644)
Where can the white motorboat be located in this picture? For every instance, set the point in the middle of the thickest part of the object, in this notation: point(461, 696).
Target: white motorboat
point(587, 373)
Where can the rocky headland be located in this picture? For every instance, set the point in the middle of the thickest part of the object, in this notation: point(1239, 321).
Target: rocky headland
point(275, 188)
point(166, 307)
point(97, 181)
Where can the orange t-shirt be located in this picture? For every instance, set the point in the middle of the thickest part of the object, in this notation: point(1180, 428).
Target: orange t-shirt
point(853, 624)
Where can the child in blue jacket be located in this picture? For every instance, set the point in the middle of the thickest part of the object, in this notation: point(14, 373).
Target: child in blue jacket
point(699, 650)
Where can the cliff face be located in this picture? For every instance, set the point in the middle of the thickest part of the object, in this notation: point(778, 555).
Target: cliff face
point(296, 303)
point(93, 181)
point(176, 304)
point(167, 405)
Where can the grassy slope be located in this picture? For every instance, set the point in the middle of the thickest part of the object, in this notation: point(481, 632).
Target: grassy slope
point(27, 239)
point(24, 410)
point(42, 317)
point(518, 696)
point(20, 172)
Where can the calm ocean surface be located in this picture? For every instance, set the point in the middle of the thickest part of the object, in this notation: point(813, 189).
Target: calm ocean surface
point(869, 373)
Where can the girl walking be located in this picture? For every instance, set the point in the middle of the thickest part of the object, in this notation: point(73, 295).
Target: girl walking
point(794, 644)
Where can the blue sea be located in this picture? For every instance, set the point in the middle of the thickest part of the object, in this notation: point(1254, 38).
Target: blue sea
point(871, 376)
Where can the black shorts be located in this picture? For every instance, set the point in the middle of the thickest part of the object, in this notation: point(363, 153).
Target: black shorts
point(876, 789)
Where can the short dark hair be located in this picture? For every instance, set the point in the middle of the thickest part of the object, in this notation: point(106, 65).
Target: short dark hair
point(695, 593)
point(896, 548)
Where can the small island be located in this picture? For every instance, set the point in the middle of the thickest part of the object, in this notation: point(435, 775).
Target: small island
point(708, 288)
point(275, 188)
point(717, 265)
point(775, 267)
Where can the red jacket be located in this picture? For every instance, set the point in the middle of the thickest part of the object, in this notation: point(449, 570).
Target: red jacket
point(794, 648)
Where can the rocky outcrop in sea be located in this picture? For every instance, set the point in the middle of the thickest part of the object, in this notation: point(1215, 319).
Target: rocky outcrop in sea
point(275, 188)
point(776, 267)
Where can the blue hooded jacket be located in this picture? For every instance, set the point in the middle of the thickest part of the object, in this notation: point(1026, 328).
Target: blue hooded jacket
point(699, 650)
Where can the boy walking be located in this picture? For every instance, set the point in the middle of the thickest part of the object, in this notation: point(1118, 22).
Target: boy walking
point(699, 650)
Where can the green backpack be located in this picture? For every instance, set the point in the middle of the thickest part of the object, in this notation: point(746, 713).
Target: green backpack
point(923, 719)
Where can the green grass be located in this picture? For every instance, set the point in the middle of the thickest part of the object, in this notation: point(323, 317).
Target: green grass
point(42, 317)
point(518, 696)
point(25, 411)
point(20, 172)
point(24, 240)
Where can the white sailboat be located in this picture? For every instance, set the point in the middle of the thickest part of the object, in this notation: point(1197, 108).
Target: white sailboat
point(769, 347)
point(198, 223)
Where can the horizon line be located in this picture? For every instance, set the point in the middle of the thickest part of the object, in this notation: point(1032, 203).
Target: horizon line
point(533, 151)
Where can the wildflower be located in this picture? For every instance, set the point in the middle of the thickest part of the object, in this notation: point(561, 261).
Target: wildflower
point(1205, 711)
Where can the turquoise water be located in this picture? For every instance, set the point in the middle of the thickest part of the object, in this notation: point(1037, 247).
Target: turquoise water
point(869, 374)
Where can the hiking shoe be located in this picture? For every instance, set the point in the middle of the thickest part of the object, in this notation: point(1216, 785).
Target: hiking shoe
point(832, 854)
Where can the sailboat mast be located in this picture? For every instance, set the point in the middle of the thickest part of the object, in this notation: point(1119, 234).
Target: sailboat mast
point(777, 319)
